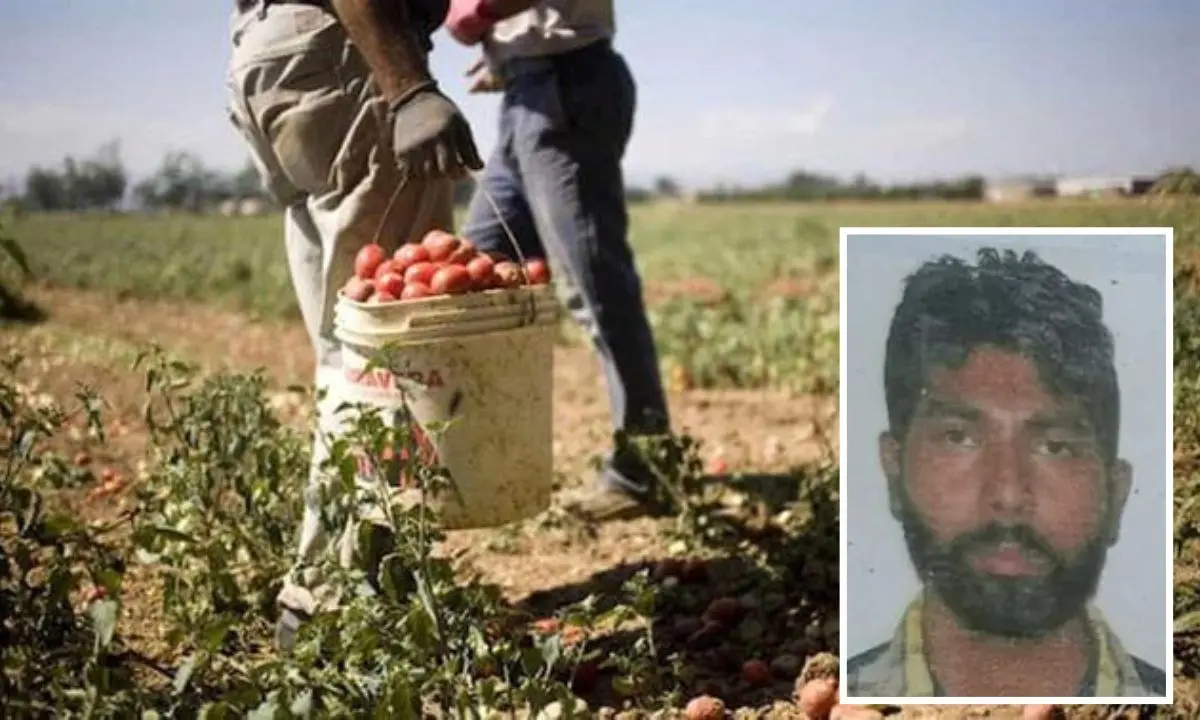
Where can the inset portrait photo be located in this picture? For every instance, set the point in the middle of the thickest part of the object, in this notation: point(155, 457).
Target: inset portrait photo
point(1006, 464)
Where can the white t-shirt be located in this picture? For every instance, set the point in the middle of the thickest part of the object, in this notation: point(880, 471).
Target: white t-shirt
point(549, 28)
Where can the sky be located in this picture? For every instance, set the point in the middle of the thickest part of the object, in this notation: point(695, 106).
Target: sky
point(733, 93)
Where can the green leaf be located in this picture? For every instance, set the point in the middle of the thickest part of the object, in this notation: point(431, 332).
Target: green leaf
point(1188, 623)
point(531, 660)
point(110, 579)
point(420, 627)
point(268, 710)
point(395, 577)
point(171, 533)
point(55, 526)
point(401, 704)
point(427, 601)
point(104, 620)
point(184, 674)
point(214, 635)
point(550, 646)
point(146, 557)
point(303, 705)
point(624, 686)
point(214, 711)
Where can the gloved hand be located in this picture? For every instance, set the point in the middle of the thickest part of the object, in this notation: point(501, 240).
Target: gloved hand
point(430, 136)
point(469, 20)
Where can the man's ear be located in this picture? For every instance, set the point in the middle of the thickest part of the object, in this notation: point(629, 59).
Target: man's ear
point(1119, 483)
point(889, 460)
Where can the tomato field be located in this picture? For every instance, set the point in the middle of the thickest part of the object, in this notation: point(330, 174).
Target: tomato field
point(159, 445)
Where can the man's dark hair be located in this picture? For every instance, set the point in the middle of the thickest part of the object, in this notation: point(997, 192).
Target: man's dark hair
point(1020, 304)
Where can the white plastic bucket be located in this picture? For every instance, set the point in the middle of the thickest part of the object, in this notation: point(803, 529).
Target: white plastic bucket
point(483, 361)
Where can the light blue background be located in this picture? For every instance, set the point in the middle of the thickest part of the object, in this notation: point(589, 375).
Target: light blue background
point(1130, 272)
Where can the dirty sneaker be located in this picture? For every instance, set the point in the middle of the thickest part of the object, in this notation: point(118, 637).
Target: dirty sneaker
point(600, 503)
point(621, 491)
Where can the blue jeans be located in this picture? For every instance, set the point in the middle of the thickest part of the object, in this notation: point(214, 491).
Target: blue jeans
point(556, 178)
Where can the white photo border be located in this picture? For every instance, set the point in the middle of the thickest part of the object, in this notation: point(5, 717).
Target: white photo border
point(1166, 234)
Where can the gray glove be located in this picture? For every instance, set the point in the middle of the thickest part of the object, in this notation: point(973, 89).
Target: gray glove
point(430, 136)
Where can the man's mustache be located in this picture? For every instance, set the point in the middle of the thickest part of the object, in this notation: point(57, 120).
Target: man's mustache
point(995, 534)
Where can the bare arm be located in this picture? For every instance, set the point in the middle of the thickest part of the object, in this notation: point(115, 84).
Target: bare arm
point(383, 31)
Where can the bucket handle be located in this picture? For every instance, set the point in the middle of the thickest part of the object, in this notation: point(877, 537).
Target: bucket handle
point(508, 233)
point(512, 240)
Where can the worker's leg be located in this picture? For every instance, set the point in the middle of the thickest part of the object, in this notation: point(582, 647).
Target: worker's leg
point(570, 126)
point(500, 183)
point(319, 134)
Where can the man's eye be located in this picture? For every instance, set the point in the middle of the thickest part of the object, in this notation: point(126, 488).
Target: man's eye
point(1058, 448)
point(957, 437)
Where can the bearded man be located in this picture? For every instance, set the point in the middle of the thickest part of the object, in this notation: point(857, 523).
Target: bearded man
point(1002, 468)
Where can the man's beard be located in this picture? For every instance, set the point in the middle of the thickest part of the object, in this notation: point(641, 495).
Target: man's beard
point(1010, 607)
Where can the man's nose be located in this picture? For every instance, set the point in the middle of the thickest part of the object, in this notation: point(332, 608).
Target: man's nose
point(1008, 490)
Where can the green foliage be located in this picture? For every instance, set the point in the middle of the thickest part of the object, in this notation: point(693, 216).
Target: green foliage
point(214, 519)
point(59, 579)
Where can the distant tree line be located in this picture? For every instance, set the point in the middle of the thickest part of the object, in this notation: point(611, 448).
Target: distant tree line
point(96, 183)
point(101, 183)
point(805, 185)
point(182, 182)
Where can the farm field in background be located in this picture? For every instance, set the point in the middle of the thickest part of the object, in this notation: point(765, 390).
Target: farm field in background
point(744, 300)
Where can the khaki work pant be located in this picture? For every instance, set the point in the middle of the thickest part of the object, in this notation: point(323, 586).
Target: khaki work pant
point(317, 130)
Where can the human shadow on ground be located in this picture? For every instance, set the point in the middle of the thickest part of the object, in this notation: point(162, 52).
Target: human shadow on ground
point(711, 617)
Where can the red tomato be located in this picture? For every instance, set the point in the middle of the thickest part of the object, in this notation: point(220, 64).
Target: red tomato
point(463, 253)
point(705, 707)
point(415, 290)
point(410, 254)
point(818, 697)
point(480, 269)
point(694, 570)
point(385, 267)
point(440, 244)
point(359, 289)
point(756, 672)
point(392, 283)
point(508, 274)
point(421, 272)
point(538, 271)
point(367, 260)
point(724, 611)
point(451, 280)
point(382, 297)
